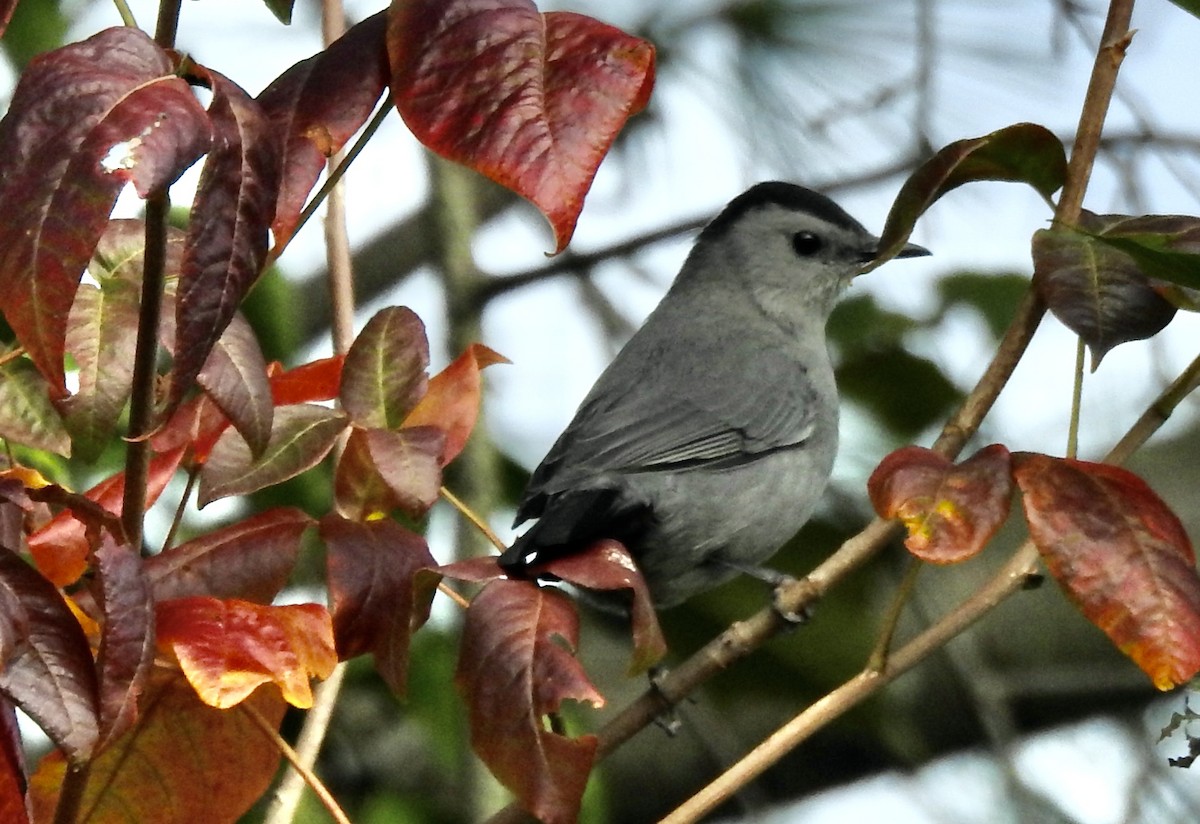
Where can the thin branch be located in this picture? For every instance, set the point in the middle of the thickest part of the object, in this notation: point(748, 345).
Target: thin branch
point(474, 518)
point(70, 797)
point(310, 778)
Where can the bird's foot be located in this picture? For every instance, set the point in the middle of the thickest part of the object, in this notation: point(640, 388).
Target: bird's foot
point(668, 720)
point(779, 581)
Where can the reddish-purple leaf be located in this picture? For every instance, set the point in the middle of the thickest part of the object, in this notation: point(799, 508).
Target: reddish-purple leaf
point(235, 377)
point(85, 120)
point(384, 373)
point(1023, 152)
point(951, 511)
point(250, 560)
point(1122, 556)
point(12, 768)
point(301, 436)
point(317, 105)
point(381, 470)
point(532, 101)
point(127, 637)
point(452, 400)
point(26, 414)
point(378, 599)
point(607, 565)
point(46, 666)
point(516, 665)
point(226, 245)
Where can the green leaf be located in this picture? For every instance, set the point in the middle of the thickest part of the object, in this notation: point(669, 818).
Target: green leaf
point(282, 9)
point(384, 375)
point(26, 414)
point(1192, 7)
point(1166, 247)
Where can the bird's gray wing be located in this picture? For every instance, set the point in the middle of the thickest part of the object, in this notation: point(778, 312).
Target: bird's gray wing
point(707, 412)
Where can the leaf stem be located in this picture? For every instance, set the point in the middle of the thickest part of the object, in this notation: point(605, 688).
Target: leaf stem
point(127, 18)
point(878, 659)
point(70, 797)
point(167, 26)
point(474, 518)
point(310, 778)
point(1076, 400)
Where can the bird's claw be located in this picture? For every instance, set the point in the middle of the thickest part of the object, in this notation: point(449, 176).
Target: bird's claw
point(668, 720)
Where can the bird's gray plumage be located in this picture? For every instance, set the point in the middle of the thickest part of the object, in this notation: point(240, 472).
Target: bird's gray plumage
point(706, 444)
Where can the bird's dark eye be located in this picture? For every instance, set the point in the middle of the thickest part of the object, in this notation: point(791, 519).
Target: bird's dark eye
point(807, 244)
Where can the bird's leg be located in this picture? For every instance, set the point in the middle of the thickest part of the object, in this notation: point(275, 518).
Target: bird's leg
point(777, 580)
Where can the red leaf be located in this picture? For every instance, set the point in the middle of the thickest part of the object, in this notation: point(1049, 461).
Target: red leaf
point(1122, 555)
point(474, 570)
point(301, 436)
point(227, 648)
point(60, 548)
point(381, 470)
point(184, 762)
point(235, 377)
point(46, 666)
point(951, 511)
point(533, 101)
point(452, 401)
point(384, 373)
point(516, 664)
point(12, 768)
point(318, 104)
point(85, 120)
point(226, 244)
point(309, 382)
point(197, 424)
point(251, 559)
point(127, 638)
point(378, 599)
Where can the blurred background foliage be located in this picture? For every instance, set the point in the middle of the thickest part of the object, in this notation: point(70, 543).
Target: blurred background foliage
point(845, 95)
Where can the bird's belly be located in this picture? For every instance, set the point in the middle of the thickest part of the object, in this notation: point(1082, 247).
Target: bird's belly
point(706, 520)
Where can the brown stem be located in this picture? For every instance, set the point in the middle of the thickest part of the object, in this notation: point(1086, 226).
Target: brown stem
point(70, 798)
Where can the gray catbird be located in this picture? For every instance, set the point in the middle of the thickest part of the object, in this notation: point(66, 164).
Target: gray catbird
point(708, 441)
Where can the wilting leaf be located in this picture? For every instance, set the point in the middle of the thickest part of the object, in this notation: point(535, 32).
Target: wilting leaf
point(250, 559)
point(378, 600)
point(301, 436)
point(951, 511)
point(452, 401)
point(60, 548)
point(85, 120)
point(384, 373)
point(315, 381)
point(1122, 555)
point(317, 105)
point(1024, 152)
point(532, 101)
point(226, 245)
point(381, 470)
point(1097, 291)
point(235, 377)
point(149, 775)
point(227, 648)
point(607, 566)
point(127, 637)
point(26, 414)
point(46, 666)
point(516, 664)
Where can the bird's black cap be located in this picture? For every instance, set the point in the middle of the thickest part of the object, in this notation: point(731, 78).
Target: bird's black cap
point(787, 195)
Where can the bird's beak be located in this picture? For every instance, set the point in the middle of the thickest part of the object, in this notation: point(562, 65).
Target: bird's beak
point(913, 250)
point(870, 255)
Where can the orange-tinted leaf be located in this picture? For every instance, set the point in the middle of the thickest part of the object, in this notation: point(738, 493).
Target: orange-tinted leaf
point(516, 665)
point(384, 373)
point(12, 768)
point(46, 666)
point(533, 101)
point(226, 245)
point(300, 437)
point(250, 559)
point(184, 763)
point(60, 548)
point(127, 638)
point(951, 511)
point(197, 423)
point(607, 565)
point(381, 470)
point(26, 414)
point(1122, 555)
point(378, 600)
point(452, 401)
point(1024, 152)
point(235, 377)
point(1098, 291)
point(227, 648)
point(319, 380)
point(317, 105)
point(85, 120)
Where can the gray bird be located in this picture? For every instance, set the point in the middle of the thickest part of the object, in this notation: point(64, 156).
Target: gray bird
point(707, 443)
